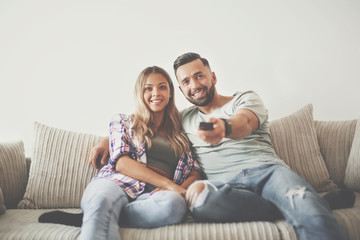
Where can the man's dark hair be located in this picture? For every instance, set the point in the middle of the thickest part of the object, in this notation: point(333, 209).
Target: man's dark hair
point(189, 57)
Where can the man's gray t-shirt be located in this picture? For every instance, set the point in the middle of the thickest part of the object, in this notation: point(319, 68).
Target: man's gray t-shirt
point(226, 159)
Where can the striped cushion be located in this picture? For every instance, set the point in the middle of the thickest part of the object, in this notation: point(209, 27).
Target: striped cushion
point(27, 227)
point(208, 231)
point(59, 170)
point(13, 174)
point(352, 174)
point(349, 219)
point(295, 141)
point(335, 140)
point(2, 202)
point(22, 224)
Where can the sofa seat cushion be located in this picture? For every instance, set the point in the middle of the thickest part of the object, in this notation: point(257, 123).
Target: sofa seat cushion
point(349, 219)
point(22, 224)
point(213, 231)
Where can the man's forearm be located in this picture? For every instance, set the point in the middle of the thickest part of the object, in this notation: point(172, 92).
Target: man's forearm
point(243, 123)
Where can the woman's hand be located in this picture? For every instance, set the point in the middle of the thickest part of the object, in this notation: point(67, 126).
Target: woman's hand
point(194, 175)
point(100, 150)
point(174, 187)
point(131, 168)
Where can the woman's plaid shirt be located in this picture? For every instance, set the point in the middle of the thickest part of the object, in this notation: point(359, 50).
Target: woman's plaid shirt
point(122, 141)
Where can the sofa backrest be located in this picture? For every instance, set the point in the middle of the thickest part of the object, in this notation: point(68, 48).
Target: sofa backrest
point(334, 138)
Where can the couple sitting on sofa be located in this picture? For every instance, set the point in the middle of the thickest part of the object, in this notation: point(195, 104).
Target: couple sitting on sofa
point(246, 180)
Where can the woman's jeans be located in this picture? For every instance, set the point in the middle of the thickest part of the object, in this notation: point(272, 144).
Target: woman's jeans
point(104, 203)
point(252, 194)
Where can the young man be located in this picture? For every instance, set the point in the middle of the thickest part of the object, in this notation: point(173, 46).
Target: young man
point(245, 176)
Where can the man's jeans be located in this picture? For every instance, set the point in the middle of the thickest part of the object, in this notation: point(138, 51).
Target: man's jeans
point(252, 194)
point(104, 203)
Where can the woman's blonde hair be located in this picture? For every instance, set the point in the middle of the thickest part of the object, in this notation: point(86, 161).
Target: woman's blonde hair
point(142, 117)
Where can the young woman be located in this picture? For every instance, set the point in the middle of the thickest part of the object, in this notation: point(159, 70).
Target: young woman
point(150, 165)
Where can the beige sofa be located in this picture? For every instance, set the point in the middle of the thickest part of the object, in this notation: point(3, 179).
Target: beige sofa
point(325, 153)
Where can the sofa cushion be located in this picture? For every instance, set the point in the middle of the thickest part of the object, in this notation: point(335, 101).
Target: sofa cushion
point(22, 224)
point(349, 219)
point(294, 139)
point(2, 203)
point(352, 174)
point(13, 174)
point(335, 139)
point(27, 227)
point(59, 170)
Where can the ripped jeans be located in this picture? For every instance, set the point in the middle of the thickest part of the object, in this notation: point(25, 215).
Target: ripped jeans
point(260, 193)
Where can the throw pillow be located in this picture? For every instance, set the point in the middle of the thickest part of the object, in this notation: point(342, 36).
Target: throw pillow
point(352, 174)
point(335, 139)
point(59, 170)
point(2, 202)
point(295, 141)
point(13, 173)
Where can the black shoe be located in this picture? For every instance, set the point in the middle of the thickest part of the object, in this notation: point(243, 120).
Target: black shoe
point(60, 217)
point(340, 198)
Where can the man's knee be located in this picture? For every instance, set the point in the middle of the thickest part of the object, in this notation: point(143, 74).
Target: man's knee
point(198, 192)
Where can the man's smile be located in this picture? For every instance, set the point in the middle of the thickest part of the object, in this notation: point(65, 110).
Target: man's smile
point(198, 92)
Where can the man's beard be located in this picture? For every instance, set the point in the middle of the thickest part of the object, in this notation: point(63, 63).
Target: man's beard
point(203, 101)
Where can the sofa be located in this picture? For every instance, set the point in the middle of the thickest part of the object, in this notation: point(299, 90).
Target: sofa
point(325, 153)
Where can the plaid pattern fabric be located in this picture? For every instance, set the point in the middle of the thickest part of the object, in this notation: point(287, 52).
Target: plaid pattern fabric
point(122, 141)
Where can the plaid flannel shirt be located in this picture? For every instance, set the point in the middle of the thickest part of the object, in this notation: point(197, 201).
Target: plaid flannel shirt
point(121, 142)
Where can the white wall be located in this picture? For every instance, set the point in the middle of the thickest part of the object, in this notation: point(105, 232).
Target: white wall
point(72, 64)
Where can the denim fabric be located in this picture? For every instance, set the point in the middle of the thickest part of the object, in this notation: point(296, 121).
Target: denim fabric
point(254, 193)
point(101, 204)
point(156, 210)
point(104, 203)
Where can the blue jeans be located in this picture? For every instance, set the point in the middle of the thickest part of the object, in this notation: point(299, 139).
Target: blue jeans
point(104, 203)
point(253, 194)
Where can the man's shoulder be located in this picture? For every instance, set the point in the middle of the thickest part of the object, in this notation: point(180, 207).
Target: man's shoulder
point(188, 112)
point(245, 93)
